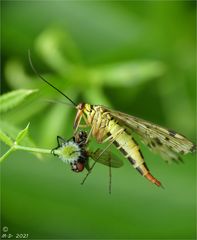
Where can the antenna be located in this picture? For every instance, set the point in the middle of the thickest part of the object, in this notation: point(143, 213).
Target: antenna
point(43, 79)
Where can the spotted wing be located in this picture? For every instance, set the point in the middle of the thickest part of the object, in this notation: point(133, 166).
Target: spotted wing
point(167, 143)
point(106, 158)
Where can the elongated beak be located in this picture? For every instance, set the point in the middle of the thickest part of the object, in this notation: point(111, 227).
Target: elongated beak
point(77, 119)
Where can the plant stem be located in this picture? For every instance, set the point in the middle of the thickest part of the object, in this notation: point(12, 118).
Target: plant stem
point(30, 149)
point(6, 154)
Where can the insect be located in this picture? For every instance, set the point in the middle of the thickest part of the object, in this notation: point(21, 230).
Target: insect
point(74, 151)
point(116, 128)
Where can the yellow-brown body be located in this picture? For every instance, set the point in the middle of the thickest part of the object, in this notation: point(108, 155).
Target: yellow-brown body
point(105, 128)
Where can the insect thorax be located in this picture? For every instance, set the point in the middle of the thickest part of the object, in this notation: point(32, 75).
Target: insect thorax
point(98, 119)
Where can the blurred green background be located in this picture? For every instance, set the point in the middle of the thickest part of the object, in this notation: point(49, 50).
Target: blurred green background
point(136, 57)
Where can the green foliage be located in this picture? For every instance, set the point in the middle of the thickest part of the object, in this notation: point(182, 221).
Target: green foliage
point(6, 139)
point(22, 134)
point(136, 57)
point(13, 99)
point(12, 144)
point(8, 102)
point(126, 74)
point(11, 131)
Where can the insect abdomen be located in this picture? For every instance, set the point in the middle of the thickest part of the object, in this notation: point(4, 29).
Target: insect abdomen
point(130, 149)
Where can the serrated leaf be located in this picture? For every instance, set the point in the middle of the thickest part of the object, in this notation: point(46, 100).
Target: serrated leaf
point(22, 134)
point(5, 138)
point(12, 99)
point(12, 131)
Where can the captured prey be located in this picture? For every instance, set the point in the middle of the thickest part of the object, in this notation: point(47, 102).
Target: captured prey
point(74, 151)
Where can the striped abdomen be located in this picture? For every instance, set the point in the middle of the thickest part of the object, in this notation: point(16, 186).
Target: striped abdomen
point(130, 149)
point(103, 125)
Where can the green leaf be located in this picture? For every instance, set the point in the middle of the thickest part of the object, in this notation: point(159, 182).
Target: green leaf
point(22, 134)
point(16, 75)
point(12, 131)
point(126, 73)
point(14, 98)
point(57, 49)
point(5, 138)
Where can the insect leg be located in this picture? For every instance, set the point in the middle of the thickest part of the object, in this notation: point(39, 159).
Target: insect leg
point(83, 125)
point(78, 125)
point(53, 151)
point(113, 139)
point(60, 140)
point(89, 134)
point(91, 130)
point(77, 120)
point(107, 139)
point(110, 176)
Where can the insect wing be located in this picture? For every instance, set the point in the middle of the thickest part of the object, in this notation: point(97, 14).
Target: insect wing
point(106, 158)
point(164, 141)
